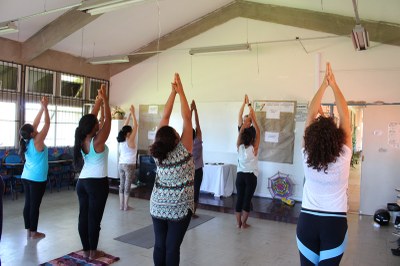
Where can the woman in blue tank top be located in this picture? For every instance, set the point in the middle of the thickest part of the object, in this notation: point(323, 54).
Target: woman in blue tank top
point(92, 187)
point(34, 153)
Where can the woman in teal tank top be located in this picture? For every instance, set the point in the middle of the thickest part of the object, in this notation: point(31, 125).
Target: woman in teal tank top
point(34, 153)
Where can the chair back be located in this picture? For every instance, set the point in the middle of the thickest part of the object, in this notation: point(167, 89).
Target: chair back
point(12, 158)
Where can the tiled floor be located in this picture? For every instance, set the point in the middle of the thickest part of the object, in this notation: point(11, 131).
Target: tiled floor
point(216, 242)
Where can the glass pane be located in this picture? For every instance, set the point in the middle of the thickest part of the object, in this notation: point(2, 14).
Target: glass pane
point(67, 121)
point(8, 77)
point(40, 81)
point(7, 121)
point(94, 86)
point(31, 110)
point(72, 86)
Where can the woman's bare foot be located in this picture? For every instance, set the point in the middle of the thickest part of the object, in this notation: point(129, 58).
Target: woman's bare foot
point(195, 216)
point(95, 254)
point(37, 235)
point(86, 254)
point(245, 225)
point(239, 225)
point(129, 208)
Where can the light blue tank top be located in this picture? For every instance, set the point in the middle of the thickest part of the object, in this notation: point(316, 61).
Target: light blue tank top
point(95, 165)
point(36, 165)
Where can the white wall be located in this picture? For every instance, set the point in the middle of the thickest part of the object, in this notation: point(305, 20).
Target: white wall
point(271, 71)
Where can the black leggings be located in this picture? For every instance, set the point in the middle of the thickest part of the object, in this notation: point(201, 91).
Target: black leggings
point(92, 194)
point(1, 205)
point(246, 184)
point(321, 237)
point(169, 236)
point(34, 192)
point(198, 178)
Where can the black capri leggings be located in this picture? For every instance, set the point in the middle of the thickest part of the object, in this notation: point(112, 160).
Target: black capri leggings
point(34, 192)
point(246, 184)
point(92, 195)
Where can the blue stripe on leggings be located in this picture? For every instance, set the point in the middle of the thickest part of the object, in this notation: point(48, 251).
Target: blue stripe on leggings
point(324, 214)
point(334, 252)
point(309, 254)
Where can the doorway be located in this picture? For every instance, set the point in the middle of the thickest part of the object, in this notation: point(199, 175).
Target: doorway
point(356, 120)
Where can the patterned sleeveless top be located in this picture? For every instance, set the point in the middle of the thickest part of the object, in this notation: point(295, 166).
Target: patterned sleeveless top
point(173, 193)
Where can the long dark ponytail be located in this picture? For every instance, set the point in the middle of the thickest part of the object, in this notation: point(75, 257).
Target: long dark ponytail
point(86, 125)
point(26, 135)
point(123, 132)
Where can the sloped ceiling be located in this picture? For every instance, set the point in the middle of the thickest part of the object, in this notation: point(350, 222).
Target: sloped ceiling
point(166, 23)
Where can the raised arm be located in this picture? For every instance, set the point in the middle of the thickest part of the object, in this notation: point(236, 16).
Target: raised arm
point(97, 104)
point(193, 108)
point(168, 108)
point(315, 104)
point(256, 144)
point(132, 137)
point(101, 120)
point(187, 135)
point(341, 104)
point(127, 120)
point(103, 133)
point(241, 110)
point(41, 136)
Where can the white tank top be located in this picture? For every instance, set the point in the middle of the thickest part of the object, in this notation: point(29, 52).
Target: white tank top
point(127, 155)
point(247, 161)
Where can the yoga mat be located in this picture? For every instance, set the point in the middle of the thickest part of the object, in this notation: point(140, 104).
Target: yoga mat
point(144, 237)
point(78, 258)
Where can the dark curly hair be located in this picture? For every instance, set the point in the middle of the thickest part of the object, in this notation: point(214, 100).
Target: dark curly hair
point(323, 143)
point(123, 132)
point(246, 138)
point(165, 141)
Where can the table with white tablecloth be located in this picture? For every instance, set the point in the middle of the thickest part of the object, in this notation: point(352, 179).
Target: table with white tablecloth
point(219, 179)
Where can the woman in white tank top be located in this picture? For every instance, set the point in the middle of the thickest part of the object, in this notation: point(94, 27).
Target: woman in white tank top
point(127, 158)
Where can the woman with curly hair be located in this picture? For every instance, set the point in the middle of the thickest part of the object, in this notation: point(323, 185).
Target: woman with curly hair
point(327, 150)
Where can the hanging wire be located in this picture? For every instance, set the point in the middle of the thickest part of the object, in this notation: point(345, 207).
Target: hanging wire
point(83, 29)
point(191, 70)
point(322, 5)
point(305, 50)
point(258, 63)
point(158, 43)
point(94, 44)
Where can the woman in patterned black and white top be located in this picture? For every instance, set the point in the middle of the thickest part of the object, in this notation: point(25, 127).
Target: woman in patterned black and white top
point(171, 203)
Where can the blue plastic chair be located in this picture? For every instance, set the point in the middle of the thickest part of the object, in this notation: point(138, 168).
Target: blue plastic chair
point(15, 172)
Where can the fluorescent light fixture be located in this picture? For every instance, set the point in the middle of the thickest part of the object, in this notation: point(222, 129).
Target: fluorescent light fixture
point(114, 59)
point(96, 7)
point(360, 38)
point(221, 49)
point(8, 27)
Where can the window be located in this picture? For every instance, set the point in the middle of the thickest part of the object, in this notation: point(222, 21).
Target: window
point(94, 86)
point(9, 101)
point(63, 122)
point(72, 86)
point(20, 102)
point(8, 124)
point(9, 76)
point(40, 81)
